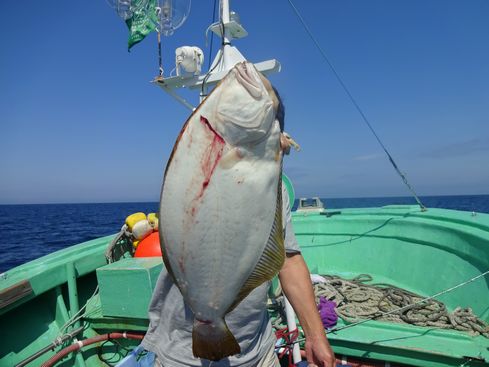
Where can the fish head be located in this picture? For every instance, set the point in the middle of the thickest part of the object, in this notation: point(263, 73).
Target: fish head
point(245, 106)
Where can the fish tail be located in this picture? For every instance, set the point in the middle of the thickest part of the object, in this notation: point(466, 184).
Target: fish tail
point(212, 340)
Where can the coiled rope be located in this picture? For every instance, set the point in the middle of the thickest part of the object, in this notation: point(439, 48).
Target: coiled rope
point(350, 294)
point(357, 300)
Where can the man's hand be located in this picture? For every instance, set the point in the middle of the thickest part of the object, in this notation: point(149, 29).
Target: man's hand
point(296, 284)
point(319, 352)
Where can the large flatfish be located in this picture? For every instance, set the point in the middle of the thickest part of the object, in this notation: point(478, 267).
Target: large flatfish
point(221, 205)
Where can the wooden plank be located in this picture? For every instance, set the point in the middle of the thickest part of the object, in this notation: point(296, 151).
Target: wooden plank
point(15, 292)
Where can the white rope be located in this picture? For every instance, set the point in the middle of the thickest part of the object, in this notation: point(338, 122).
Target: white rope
point(74, 318)
point(396, 310)
point(411, 305)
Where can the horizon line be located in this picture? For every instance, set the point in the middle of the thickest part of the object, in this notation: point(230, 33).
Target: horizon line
point(306, 197)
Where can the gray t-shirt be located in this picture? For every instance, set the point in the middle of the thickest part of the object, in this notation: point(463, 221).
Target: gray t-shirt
point(169, 333)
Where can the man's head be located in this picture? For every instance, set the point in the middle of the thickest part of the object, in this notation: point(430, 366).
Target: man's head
point(278, 105)
point(280, 115)
point(279, 108)
point(285, 143)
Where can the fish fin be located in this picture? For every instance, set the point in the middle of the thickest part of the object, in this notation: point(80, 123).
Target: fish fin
point(273, 256)
point(213, 340)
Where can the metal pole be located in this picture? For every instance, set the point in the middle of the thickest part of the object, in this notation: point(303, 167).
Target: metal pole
point(178, 98)
point(61, 305)
point(51, 346)
point(225, 19)
point(74, 305)
point(203, 93)
point(291, 326)
point(159, 54)
point(72, 290)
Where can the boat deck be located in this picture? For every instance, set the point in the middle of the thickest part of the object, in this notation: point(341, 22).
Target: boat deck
point(424, 252)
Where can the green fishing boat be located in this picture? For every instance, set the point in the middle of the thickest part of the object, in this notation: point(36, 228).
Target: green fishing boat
point(86, 305)
point(74, 298)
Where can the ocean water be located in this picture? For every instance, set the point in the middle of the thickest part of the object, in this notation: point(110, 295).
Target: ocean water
point(31, 231)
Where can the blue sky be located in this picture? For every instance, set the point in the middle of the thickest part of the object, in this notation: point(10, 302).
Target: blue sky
point(80, 121)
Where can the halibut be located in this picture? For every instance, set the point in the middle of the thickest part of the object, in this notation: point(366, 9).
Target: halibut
point(221, 205)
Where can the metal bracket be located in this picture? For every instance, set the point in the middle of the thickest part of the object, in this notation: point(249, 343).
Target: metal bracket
point(235, 29)
point(195, 82)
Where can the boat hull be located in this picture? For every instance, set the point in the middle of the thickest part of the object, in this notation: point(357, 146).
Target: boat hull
point(424, 252)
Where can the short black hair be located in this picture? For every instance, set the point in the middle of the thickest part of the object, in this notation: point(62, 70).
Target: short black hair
point(280, 110)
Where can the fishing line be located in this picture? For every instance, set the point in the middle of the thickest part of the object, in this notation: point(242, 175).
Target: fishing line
point(212, 35)
point(355, 104)
point(334, 330)
point(218, 61)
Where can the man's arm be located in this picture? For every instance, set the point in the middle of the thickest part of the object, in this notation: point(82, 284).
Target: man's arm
point(297, 287)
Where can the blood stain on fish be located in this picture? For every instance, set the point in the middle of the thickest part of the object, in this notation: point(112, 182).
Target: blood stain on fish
point(211, 156)
point(206, 122)
point(181, 264)
point(208, 162)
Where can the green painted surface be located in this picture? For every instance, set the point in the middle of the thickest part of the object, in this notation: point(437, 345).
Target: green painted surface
point(34, 321)
point(290, 189)
point(424, 252)
point(102, 323)
point(126, 286)
point(49, 271)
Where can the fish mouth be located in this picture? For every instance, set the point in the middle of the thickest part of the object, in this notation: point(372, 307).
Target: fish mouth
point(244, 111)
point(247, 76)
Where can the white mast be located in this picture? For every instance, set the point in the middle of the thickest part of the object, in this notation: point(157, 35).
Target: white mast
point(228, 28)
point(228, 55)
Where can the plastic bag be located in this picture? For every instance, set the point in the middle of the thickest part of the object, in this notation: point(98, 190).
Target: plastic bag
point(134, 359)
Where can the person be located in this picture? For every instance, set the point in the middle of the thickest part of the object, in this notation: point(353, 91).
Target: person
point(169, 334)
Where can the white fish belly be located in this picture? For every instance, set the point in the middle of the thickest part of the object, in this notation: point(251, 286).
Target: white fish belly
point(217, 210)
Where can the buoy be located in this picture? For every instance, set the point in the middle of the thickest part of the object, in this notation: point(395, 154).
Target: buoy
point(132, 219)
point(149, 246)
point(141, 230)
point(153, 220)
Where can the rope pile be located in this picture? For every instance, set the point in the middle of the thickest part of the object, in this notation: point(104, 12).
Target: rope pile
point(356, 300)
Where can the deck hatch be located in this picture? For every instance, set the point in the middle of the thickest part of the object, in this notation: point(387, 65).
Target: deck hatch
point(126, 286)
